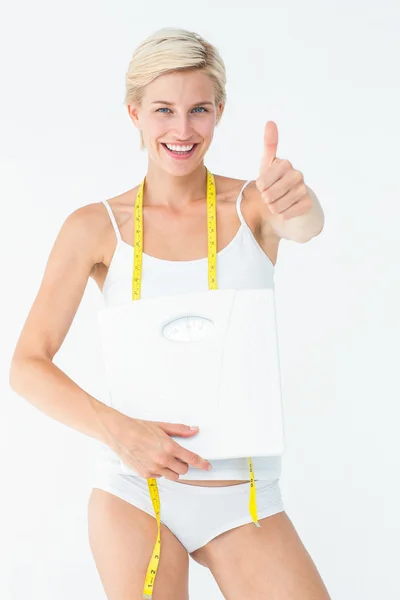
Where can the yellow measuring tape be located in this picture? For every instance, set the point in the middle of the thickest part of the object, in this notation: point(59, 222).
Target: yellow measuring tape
point(136, 289)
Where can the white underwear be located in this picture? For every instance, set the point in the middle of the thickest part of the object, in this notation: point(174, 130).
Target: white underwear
point(194, 514)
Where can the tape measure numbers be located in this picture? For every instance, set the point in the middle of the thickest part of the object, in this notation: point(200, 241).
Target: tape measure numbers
point(136, 291)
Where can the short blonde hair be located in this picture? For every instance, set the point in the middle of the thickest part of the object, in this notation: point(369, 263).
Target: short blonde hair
point(172, 49)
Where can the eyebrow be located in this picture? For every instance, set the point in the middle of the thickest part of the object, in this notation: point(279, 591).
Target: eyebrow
point(172, 104)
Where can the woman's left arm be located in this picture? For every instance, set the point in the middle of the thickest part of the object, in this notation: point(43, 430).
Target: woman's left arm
point(291, 208)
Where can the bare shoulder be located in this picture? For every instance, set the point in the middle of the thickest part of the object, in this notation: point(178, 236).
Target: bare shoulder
point(255, 213)
point(86, 228)
point(72, 258)
point(262, 214)
point(93, 221)
point(254, 209)
point(228, 185)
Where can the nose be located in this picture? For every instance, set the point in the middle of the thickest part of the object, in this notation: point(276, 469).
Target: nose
point(183, 128)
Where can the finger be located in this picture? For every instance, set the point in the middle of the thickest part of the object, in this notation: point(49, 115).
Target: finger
point(270, 143)
point(177, 466)
point(192, 459)
point(168, 474)
point(177, 429)
point(173, 473)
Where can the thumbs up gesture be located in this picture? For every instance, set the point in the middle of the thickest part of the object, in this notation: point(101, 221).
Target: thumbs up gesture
point(281, 186)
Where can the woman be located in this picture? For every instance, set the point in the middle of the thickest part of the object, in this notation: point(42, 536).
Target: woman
point(175, 95)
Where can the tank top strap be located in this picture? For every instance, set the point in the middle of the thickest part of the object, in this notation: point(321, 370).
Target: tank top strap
point(239, 200)
point(113, 221)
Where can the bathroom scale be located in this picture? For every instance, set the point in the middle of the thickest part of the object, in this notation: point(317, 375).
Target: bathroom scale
point(209, 359)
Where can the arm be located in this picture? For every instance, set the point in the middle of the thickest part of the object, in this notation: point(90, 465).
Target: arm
point(291, 209)
point(33, 375)
point(301, 228)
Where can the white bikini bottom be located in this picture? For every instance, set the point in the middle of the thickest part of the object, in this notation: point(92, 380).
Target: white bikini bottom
point(194, 514)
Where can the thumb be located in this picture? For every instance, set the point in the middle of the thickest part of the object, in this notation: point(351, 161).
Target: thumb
point(177, 429)
point(270, 143)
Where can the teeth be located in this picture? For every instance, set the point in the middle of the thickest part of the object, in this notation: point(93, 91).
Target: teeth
point(179, 148)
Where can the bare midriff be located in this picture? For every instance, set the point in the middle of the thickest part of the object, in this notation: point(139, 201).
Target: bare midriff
point(216, 483)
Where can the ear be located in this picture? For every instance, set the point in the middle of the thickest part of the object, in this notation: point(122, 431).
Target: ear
point(132, 112)
point(220, 110)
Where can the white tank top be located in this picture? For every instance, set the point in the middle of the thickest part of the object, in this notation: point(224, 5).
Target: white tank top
point(242, 264)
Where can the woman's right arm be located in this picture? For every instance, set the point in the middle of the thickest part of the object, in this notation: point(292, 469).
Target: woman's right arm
point(145, 445)
point(33, 375)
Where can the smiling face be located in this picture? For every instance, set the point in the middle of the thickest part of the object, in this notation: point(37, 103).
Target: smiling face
point(177, 109)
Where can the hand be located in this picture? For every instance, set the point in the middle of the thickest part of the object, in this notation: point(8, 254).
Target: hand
point(281, 186)
point(147, 448)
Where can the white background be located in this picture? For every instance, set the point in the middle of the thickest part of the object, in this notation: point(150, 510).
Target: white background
point(327, 74)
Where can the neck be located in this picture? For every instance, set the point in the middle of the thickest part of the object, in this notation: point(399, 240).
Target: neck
point(173, 191)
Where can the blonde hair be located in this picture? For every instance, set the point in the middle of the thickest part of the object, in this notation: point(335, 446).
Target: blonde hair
point(172, 49)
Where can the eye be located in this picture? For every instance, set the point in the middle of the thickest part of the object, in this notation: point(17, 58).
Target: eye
point(165, 108)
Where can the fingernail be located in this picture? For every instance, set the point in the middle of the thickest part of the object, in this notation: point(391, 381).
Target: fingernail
point(193, 427)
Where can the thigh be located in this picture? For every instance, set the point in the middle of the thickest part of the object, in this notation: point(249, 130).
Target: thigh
point(122, 538)
point(264, 562)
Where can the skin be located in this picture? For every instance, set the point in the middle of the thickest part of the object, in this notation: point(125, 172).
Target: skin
point(174, 198)
point(269, 562)
point(246, 562)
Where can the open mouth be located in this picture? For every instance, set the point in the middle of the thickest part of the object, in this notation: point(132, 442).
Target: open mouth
point(181, 154)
